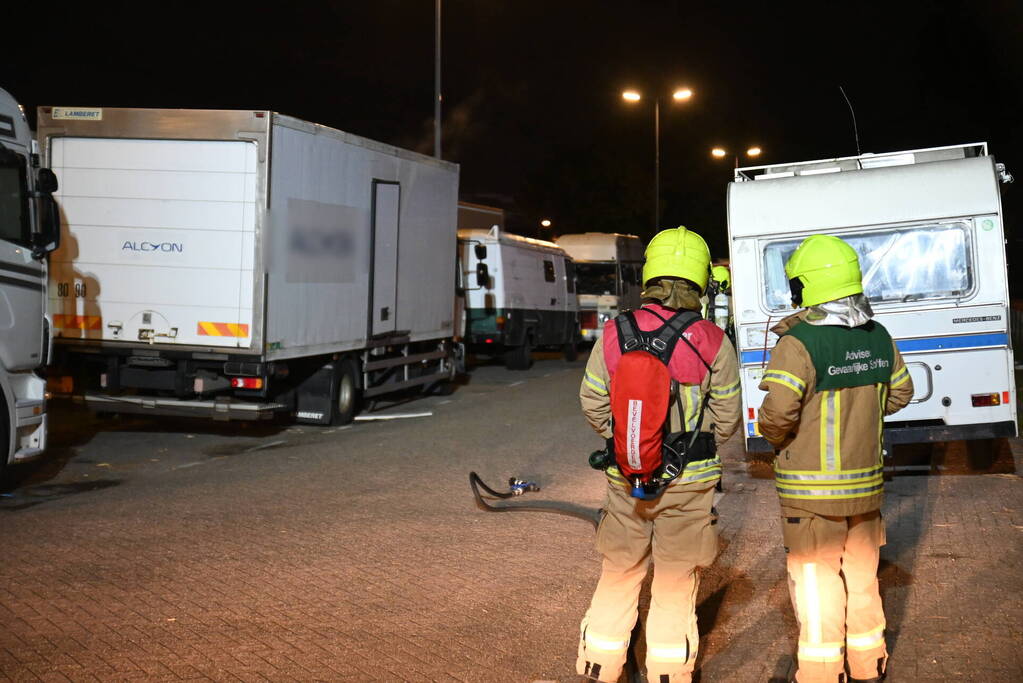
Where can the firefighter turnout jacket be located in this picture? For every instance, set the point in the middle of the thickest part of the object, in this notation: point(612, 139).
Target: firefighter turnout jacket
point(828, 390)
point(724, 407)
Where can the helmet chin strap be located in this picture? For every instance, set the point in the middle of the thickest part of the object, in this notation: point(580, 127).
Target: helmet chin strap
point(796, 289)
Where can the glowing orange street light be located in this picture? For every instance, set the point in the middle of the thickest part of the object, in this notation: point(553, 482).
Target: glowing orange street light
point(718, 152)
point(679, 95)
point(546, 223)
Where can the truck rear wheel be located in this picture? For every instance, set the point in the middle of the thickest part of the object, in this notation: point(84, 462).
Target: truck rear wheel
point(346, 397)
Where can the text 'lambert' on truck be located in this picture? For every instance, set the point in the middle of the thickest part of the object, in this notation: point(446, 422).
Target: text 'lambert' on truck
point(609, 274)
point(927, 225)
point(235, 264)
point(29, 230)
point(519, 294)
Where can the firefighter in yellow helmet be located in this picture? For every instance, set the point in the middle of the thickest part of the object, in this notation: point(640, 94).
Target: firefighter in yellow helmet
point(833, 376)
point(721, 299)
point(675, 529)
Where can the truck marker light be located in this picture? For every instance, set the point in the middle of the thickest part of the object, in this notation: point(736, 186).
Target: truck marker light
point(752, 414)
point(500, 322)
point(247, 382)
point(986, 400)
point(208, 329)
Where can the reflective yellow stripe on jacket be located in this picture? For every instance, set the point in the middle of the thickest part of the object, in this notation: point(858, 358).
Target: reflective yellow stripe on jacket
point(595, 383)
point(697, 471)
point(831, 482)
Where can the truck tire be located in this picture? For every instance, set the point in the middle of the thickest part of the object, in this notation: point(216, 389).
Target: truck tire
point(346, 397)
point(519, 357)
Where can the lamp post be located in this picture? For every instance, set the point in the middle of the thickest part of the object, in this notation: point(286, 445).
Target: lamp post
point(633, 96)
point(436, 81)
point(752, 152)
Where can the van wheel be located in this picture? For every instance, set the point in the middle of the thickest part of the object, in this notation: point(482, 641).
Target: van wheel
point(519, 357)
point(571, 351)
point(346, 397)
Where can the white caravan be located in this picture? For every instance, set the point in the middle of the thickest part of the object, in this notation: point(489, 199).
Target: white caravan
point(927, 226)
point(29, 230)
point(520, 296)
point(236, 264)
point(609, 275)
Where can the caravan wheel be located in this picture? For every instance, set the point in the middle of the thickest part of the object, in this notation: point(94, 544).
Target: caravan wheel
point(346, 393)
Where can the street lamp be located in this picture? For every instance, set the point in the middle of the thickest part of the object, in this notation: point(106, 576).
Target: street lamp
point(721, 153)
point(545, 223)
point(679, 95)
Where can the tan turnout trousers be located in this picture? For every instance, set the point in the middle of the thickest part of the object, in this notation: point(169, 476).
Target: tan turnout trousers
point(832, 564)
point(676, 530)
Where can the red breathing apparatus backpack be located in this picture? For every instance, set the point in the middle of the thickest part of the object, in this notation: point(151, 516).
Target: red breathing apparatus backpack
point(642, 391)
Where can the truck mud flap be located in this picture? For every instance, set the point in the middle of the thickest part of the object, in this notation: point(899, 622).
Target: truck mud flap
point(222, 409)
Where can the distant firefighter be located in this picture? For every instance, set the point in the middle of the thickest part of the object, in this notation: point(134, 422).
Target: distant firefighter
point(833, 376)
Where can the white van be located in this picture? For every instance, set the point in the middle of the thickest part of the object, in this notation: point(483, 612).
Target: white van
point(609, 268)
point(927, 226)
point(520, 295)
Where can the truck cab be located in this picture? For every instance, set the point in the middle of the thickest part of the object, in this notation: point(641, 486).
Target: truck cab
point(609, 275)
point(29, 231)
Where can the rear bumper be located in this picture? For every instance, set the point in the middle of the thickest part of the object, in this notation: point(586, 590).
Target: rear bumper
point(924, 434)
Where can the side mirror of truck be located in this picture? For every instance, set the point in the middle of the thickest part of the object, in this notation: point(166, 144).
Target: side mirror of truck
point(482, 274)
point(47, 239)
point(46, 181)
point(481, 251)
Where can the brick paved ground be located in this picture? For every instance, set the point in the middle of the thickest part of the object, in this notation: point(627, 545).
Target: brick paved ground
point(147, 551)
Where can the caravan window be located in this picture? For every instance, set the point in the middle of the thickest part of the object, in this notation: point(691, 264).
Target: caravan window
point(548, 271)
point(908, 264)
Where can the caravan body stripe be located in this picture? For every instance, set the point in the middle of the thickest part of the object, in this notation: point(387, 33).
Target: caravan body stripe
point(965, 341)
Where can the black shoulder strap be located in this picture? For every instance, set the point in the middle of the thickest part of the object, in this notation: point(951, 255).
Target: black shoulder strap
point(628, 332)
point(667, 337)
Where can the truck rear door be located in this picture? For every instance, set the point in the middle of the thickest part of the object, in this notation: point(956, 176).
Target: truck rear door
point(158, 243)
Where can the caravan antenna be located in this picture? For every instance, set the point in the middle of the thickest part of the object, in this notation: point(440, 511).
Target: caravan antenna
point(856, 130)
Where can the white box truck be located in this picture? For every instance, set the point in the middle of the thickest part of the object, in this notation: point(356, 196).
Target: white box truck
point(927, 225)
point(237, 264)
point(29, 230)
point(519, 294)
point(609, 273)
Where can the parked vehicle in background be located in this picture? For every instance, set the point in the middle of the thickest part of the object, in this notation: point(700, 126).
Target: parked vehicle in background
point(238, 264)
point(29, 231)
point(520, 295)
point(609, 272)
point(927, 225)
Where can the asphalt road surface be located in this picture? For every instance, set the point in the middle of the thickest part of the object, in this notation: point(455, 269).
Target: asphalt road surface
point(156, 549)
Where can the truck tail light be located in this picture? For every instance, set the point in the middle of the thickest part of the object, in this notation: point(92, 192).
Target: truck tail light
point(588, 320)
point(500, 322)
point(986, 400)
point(247, 382)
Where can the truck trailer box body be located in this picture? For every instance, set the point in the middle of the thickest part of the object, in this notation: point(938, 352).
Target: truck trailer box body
point(248, 235)
point(927, 226)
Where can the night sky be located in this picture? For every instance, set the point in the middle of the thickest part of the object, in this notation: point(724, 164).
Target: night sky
point(532, 106)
